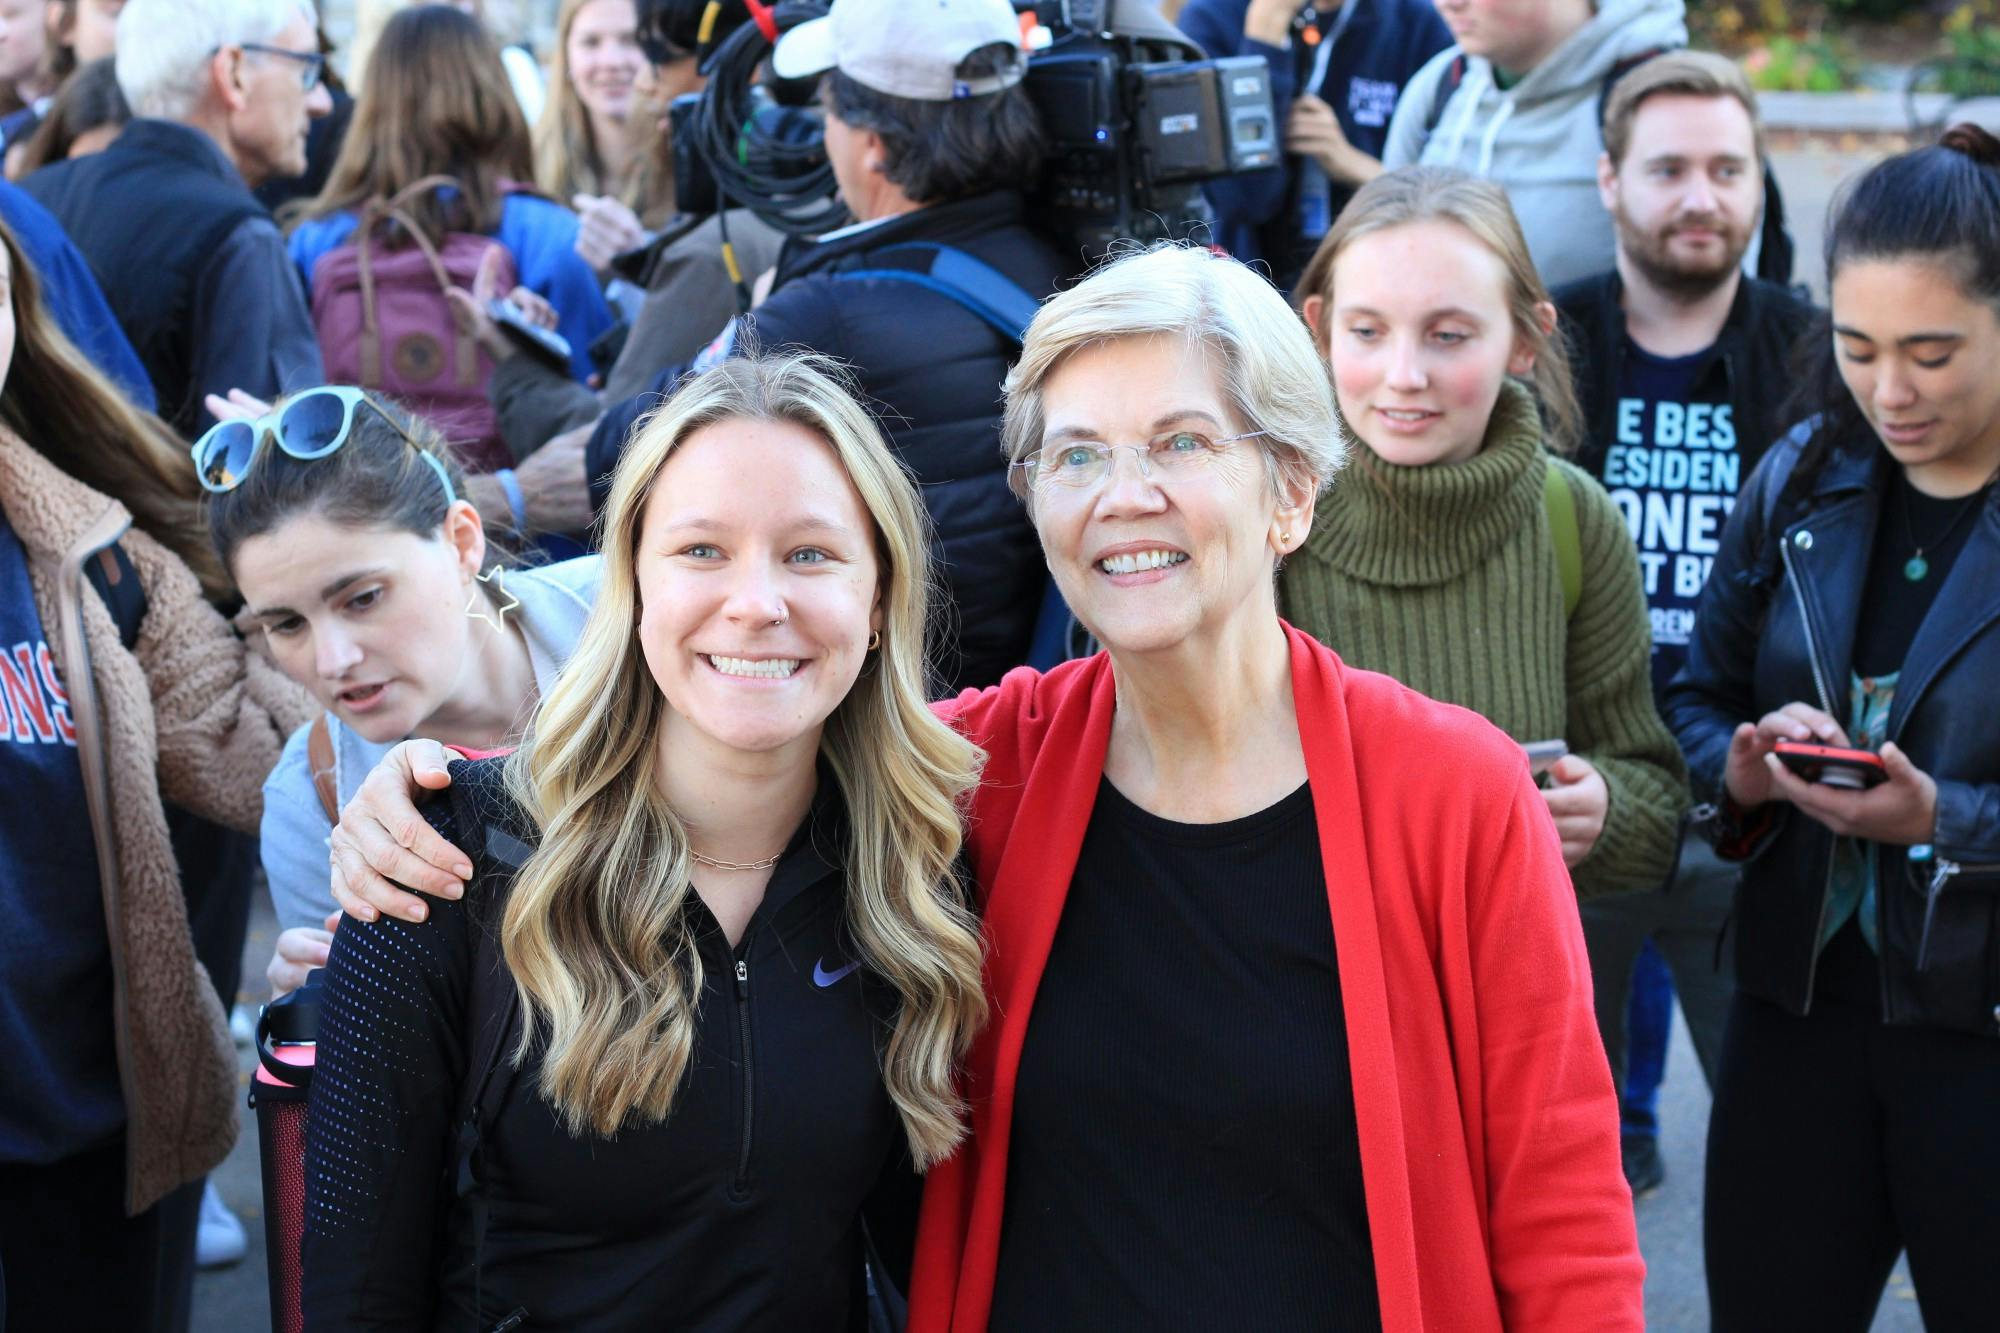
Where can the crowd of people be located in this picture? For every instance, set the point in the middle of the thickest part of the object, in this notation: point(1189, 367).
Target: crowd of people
point(907, 777)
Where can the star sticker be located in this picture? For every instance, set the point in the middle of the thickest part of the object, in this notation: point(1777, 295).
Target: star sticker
point(507, 601)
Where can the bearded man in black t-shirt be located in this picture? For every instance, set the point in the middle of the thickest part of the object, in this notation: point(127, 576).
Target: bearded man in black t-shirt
point(1681, 361)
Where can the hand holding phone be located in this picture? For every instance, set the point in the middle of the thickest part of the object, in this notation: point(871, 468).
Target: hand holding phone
point(1832, 765)
point(546, 345)
point(1542, 755)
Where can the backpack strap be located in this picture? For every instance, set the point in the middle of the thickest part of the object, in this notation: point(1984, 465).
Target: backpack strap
point(1447, 84)
point(974, 284)
point(111, 572)
point(1560, 501)
point(325, 772)
point(1009, 308)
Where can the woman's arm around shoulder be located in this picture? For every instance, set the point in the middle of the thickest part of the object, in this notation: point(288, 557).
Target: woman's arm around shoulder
point(392, 1054)
point(1613, 721)
point(221, 711)
point(1565, 1251)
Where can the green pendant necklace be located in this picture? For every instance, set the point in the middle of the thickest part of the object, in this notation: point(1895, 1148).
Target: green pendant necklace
point(1916, 569)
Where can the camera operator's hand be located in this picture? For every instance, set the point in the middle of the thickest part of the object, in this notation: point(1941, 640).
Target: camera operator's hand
point(555, 481)
point(605, 229)
point(1270, 21)
point(1312, 130)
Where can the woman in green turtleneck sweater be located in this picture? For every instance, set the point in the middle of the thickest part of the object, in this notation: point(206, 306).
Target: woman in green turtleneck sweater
point(1432, 559)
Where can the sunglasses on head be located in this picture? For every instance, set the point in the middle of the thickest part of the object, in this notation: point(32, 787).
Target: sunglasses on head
point(311, 425)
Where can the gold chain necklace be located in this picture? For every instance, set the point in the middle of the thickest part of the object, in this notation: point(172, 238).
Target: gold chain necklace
point(714, 864)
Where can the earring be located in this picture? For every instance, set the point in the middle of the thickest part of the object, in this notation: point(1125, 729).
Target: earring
point(1285, 539)
point(503, 601)
point(874, 639)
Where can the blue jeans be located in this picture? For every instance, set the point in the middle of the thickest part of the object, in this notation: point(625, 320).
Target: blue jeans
point(1649, 1021)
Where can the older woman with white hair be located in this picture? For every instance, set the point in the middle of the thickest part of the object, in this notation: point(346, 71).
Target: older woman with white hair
point(1292, 1015)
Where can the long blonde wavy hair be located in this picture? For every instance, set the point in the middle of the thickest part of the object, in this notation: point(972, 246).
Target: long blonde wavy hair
point(595, 933)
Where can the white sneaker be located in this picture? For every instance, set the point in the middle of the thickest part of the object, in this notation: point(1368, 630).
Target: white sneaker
point(242, 1025)
point(218, 1239)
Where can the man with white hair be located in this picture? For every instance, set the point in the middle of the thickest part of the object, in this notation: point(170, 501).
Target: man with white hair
point(196, 270)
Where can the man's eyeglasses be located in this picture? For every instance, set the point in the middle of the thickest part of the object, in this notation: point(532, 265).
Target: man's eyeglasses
point(1175, 455)
point(314, 63)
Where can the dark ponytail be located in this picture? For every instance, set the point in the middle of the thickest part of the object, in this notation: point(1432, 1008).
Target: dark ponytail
point(1940, 204)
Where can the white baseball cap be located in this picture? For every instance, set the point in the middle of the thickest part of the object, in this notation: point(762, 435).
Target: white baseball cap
point(904, 48)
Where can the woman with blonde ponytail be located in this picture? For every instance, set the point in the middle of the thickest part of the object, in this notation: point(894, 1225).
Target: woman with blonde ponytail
point(720, 878)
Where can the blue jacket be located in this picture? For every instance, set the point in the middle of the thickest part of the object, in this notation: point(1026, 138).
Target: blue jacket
point(70, 290)
point(1777, 623)
point(539, 233)
point(1375, 47)
point(555, 601)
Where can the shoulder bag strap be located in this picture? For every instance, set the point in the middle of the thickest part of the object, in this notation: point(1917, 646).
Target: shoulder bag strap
point(325, 772)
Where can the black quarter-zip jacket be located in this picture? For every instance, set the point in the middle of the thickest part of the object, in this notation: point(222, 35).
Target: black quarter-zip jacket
point(742, 1211)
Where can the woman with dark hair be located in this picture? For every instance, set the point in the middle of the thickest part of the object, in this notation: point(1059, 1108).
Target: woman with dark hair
point(123, 689)
point(342, 520)
point(436, 102)
point(1853, 605)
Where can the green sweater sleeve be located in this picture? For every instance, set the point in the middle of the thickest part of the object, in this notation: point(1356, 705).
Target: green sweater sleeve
point(1613, 721)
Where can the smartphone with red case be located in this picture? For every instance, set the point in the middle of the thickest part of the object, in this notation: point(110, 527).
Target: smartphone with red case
point(1832, 765)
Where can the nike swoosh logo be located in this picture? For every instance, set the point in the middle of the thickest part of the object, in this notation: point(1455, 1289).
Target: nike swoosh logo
point(823, 978)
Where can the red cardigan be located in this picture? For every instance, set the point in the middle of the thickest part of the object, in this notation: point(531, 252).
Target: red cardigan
point(1488, 1126)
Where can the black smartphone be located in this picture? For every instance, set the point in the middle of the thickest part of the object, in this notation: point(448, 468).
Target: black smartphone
point(545, 345)
point(1832, 765)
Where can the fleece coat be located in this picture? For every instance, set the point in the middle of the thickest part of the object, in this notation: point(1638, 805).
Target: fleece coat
point(191, 716)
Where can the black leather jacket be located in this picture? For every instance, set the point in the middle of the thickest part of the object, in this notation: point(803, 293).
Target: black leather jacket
point(1776, 624)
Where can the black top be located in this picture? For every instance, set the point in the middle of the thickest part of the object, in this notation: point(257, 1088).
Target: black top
point(1893, 605)
point(1183, 1151)
point(741, 1212)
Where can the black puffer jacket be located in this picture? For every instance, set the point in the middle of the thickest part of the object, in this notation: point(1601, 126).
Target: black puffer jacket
point(931, 371)
point(1747, 363)
point(1776, 624)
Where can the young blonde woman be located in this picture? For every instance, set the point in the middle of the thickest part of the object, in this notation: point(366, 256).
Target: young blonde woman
point(600, 141)
point(719, 876)
point(1438, 559)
